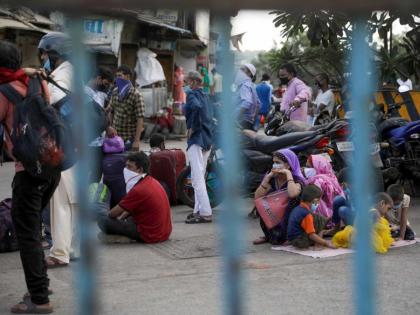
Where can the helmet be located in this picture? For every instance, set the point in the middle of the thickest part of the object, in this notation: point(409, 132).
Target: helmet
point(56, 41)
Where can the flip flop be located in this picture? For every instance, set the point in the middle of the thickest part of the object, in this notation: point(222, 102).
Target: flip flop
point(30, 308)
point(198, 220)
point(53, 263)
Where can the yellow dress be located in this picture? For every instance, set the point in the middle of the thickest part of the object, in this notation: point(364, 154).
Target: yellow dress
point(381, 236)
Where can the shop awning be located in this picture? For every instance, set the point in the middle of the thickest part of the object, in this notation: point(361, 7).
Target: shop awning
point(152, 21)
point(13, 24)
point(191, 44)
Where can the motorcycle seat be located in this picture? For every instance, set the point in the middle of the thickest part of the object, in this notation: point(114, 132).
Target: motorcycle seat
point(269, 144)
point(257, 161)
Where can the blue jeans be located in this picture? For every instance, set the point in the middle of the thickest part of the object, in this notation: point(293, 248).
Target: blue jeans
point(342, 210)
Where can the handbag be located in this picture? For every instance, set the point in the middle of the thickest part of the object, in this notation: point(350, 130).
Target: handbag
point(272, 207)
point(113, 145)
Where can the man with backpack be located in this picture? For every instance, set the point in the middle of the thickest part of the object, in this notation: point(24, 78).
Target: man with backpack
point(36, 177)
point(55, 50)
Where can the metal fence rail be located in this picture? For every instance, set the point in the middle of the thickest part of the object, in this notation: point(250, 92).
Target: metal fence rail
point(231, 222)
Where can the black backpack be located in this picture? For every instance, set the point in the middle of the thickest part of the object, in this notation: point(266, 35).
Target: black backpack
point(8, 240)
point(38, 135)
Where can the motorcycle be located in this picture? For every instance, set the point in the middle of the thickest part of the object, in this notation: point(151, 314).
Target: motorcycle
point(401, 144)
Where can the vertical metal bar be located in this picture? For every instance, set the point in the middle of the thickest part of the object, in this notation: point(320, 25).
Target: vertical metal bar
point(231, 221)
point(361, 91)
point(86, 279)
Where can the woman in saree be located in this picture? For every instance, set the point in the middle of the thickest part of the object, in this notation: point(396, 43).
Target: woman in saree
point(327, 181)
point(285, 175)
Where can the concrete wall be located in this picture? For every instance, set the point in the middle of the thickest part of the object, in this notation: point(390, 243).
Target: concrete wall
point(188, 63)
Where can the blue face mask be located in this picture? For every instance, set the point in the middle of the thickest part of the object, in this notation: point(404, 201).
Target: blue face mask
point(47, 65)
point(397, 206)
point(314, 206)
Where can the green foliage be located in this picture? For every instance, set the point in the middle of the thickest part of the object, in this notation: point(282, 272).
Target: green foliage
point(308, 60)
point(326, 40)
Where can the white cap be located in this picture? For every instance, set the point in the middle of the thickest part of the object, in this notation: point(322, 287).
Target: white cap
point(251, 68)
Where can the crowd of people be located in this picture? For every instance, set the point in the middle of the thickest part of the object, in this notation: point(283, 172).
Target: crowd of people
point(319, 204)
point(297, 99)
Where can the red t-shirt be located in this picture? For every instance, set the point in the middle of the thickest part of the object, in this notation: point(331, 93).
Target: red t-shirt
point(148, 204)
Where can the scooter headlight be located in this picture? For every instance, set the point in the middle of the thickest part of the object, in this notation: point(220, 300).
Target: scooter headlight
point(415, 136)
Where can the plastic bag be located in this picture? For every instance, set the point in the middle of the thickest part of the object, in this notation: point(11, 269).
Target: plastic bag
point(148, 68)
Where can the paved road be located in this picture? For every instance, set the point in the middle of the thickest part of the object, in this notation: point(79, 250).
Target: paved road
point(183, 276)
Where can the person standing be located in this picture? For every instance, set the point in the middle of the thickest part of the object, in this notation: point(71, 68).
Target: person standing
point(55, 50)
point(30, 195)
point(127, 109)
point(265, 94)
point(404, 80)
point(324, 102)
point(199, 116)
point(297, 94)
point(205, 78)
point(178, 92)
point(217, 86)
point(246, 98)
point(99, 85)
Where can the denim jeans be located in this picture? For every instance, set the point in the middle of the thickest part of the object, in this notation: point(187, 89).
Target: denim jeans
point(29, 197)
point(342, 210)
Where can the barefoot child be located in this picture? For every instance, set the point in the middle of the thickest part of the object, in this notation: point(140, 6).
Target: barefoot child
point(305, 228)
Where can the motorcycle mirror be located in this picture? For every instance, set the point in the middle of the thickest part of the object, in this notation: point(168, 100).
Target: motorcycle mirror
point(403, 88)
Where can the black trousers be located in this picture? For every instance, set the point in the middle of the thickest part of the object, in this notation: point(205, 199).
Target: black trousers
point(29, 197)
point(125, 227)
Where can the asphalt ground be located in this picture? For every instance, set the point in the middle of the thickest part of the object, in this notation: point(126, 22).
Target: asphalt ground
point(183, 276)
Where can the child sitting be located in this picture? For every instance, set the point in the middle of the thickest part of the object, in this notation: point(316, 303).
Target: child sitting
point(381, 237)
point(343, 212)
point(305, 228)
point(398, 215)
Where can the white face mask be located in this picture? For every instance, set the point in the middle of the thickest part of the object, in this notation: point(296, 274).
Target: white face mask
point(131, 178)
point(309, 172)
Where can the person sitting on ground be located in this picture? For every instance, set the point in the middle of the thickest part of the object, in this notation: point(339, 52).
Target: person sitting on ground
point(144, 214)
point(381, 236)
point(327, 181)
point(343, 212)
point(285, 174)
point(157, 143)
point(398, 216)
point(305, 228)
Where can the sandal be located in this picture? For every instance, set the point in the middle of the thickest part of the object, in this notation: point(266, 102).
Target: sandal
point(53, 262)
point(261, 240)
point(191, 215)
point(198, 219)
point(27, 307)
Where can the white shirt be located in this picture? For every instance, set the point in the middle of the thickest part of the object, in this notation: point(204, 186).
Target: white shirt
point(327, 98)
point(98, 97)
point(63, 75)
point(394, 215)
point(218, 83)
point(407, 83)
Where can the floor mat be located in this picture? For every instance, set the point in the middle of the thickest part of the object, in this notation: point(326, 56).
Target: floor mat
point(192, 247)
point(328, 252)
